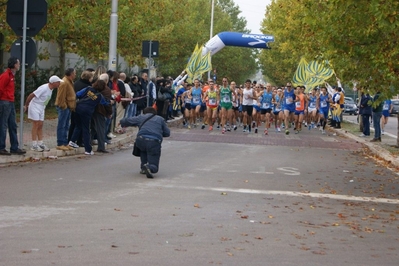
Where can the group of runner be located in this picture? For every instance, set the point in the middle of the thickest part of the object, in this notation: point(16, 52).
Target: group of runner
point(252, 104)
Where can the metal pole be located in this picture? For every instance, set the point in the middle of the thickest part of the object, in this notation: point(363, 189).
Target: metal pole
point(148, 75)
point(113, 36)
point(211, 30)
point(21, 120)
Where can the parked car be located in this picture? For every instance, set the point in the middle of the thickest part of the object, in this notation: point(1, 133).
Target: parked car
point(350, 106)
point(395, 106)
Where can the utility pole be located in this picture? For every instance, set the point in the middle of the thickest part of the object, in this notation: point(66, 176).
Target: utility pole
point(113, 36)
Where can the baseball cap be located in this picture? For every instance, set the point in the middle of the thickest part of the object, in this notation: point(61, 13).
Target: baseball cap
point(54, 79)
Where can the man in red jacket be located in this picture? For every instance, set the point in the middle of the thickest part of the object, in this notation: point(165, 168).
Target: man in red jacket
point(7, 109)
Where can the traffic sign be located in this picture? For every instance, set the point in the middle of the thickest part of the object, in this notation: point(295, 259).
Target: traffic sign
point(36, 16)
point(31, 52)
point(150, 49)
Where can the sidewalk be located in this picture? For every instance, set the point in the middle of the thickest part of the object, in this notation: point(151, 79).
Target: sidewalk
point(380, 149)
point(50, 139)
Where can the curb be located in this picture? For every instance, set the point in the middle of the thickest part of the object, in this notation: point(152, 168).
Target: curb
point(375, 149)
point(120, 140)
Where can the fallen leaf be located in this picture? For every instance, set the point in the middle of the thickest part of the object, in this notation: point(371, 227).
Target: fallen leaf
point(319, 252)
point(223, 193)
point(244, 216)
point(271, 216)
point(134, 253)
point(114, 246)
point(230, 254)
point(224, 239)
point(196, 205)
point(259, 237)
point(118, 210)
point(26, 251)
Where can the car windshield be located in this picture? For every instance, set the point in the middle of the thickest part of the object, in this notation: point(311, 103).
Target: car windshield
point(395, 102)
point(349, 100)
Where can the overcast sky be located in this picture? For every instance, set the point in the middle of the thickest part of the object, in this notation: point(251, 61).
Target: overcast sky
point(254, 12)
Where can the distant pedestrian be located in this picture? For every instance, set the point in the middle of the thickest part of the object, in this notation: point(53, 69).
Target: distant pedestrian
point(152, 130)
point(35, 105)
point(7, 108)
point(365, 112)
point(386, 112)
point(377, 113)
point(65, 103)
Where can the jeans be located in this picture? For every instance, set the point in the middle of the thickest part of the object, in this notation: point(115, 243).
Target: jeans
point(366, 124)
point(150, 152)
point(7, 120)
point(131, 110)
point(377, 124)
point(64, 116)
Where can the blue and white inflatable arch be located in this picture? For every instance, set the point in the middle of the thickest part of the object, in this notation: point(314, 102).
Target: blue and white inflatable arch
point(227, 38)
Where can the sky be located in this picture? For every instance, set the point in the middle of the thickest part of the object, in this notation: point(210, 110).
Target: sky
point(254, 12)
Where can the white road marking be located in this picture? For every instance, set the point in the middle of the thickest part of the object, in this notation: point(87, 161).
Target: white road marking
point(293, 194)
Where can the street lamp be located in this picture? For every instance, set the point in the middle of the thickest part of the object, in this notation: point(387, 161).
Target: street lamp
point(113, 36)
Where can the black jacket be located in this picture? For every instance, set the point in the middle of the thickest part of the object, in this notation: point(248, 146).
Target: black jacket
point(81, 84)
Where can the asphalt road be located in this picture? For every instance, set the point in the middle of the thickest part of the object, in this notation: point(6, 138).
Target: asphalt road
point(213, 203)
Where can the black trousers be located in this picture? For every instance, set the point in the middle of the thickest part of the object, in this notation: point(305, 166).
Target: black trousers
point(98, 121)
point(150, 153)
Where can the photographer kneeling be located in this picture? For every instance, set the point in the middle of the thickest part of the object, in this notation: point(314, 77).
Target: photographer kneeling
point(152, 130)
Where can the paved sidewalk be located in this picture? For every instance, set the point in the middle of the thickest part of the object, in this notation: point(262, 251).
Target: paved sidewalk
point(50, 139)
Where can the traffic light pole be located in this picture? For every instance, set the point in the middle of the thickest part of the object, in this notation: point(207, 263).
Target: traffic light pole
point(22, 101)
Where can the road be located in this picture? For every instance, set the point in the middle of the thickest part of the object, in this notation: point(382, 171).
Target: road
point(391, 127)
point(233, 199)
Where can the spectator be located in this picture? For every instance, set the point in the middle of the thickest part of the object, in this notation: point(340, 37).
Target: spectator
point(88, 99)
point(85, 80)
point(386, 112)
point(377, 113)
point(99, 125)
point(142, 103)
point(365, 112)
point(35, 105)
point(118, 88)
point(7, 108)
point(99, 70)
point(152, 130)
point(65, 103)
point(135, 88)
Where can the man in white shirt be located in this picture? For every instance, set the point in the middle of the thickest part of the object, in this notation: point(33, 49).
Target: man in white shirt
point(35, 105)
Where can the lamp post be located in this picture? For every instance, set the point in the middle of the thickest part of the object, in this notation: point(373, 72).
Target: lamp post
point(211, 30)
point(113, 36)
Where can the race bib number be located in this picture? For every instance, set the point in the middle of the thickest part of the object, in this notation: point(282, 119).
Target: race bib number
point(385, 107)
point(288, 100)
point(265, 105)
point(196, 100)
point(312, 105)
point(212, 101)
point(187, 100)
point(323, 104)
point(298, 104)
point(226, 98)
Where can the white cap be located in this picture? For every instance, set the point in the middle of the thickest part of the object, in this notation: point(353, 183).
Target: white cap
point(54, 79)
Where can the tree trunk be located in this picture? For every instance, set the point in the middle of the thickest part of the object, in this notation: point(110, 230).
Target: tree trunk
point(60, 42)
point(359, 117)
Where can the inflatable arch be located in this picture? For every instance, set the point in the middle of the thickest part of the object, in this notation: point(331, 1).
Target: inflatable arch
point(227, 38)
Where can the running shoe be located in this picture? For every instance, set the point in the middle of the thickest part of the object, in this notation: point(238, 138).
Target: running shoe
point(203, 126)
point(89, 153)
point(36, 148)
point(287, 132)
point(297, 132)
point(245, 129)
point(235, 127)
point(382, 132)
point(256, 130)
point(323, 131)
point(278, 129)
point(223, 130)
point(309, 127)
point(189, 127)
point(73, 145)
point(266, 132)
point(228, 129)
point(218, 127)
point(210, 128)
point(44, 147)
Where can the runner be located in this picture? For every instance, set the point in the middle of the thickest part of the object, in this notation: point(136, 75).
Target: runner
point(212, 104)
point(289, 107)
point(323, 103)
point(226, 96)
point(186, 104)
point(300, 108)
point(265, 102)
point(248, 94)
point(312, 110)
point(196, 102)
point(256, 109)
point(386, 111)
point(236, 116)
point(278, 111)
